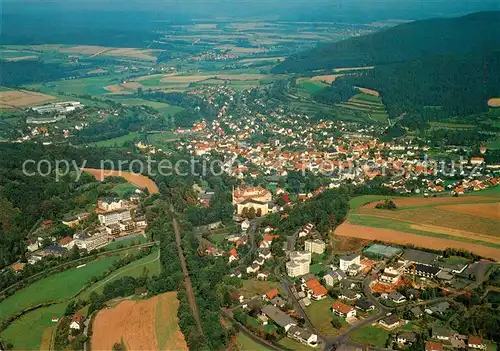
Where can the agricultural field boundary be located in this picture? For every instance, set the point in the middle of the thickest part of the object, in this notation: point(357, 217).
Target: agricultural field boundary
point(11, 319)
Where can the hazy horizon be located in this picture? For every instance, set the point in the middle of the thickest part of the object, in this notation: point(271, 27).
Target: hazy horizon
point(313, 10)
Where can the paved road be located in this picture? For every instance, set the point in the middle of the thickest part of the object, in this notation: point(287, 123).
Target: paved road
point(343, 339)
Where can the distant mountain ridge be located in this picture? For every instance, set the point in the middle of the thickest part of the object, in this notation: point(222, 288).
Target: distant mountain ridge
point(406, 42)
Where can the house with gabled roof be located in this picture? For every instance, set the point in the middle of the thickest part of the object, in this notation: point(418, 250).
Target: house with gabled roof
point(343, 310)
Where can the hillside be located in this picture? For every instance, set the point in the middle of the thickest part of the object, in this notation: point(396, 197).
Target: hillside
point(436, 87)
point(402, 43)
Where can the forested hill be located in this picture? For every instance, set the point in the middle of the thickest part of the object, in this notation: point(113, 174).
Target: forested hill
point(436, 87)
point(405, 42)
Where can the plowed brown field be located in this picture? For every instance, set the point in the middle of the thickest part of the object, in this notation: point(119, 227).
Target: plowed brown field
point(491, 210)
point(422, 201)
point(399, 237)
point(142, 325)
point(136, 179)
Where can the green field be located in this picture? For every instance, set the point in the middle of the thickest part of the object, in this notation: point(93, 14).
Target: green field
point(124, 188)
point(247, 344)
point(125, 242)
point(368, 98)
point(491, 192)
point(26, 332)
point(119, 141)
point(90, 85)
point(315, 268)
point(256, 287)
point(456, 260)
point(294, 345)
point(360, 201)
point(449, 125)
point(55, 287)
point(370, 335)
point(149, 265)
point(313, 87)
point(494, 145)
point(320, 314)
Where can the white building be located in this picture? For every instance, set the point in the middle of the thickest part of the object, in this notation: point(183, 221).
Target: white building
point(114, 217)
point(348, 260)
point(297, 268)
point(110, 204)
point(315, 246)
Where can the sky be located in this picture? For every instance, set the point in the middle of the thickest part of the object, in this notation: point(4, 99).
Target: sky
point(337, 10)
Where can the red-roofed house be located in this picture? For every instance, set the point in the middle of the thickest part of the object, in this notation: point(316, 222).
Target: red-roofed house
point(76, 321)
point(476, 342)
point(343, 310)
point(233, 255)
point(271, 294)
point(316, 290)
point(17, 267)
point(66, 242)
point(433, 346)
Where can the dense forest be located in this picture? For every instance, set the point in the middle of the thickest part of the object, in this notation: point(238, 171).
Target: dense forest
point(437, 87)
point(402, 43)
point(26, 200)
point(31, 71)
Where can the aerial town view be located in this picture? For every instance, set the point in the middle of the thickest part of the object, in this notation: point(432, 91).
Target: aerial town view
point(250, 175)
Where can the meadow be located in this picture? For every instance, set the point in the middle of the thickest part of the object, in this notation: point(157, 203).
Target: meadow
point(149, 265)
point(320, 314)
point(33, 330)
point(370, 335)
point(63, 286)
point(55, 287)
point(245, 343)
point(468, 222)
point(256, 287)
point(118, 141)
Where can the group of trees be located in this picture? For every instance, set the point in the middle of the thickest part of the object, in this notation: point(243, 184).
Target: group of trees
point(18, 73)
point(386, 205)
point(326, 211)
point(195, 108)
point(25, 200)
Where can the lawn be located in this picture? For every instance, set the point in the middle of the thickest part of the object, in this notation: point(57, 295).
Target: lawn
point(124, 188)
point(91, 85)
point(368, 98)
point(492, 192)
point(456, 260)
point(26, 333)
point(117, 244)
point(55, 287)
point(216, 238)
point(315, 268)
point(256, 287)
point(149, 265)
point(247, 344)
point(313, 87)
point(119, 141)
point(294, 345)
point(370, 335)
point(320, 314)
point(494, 144)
